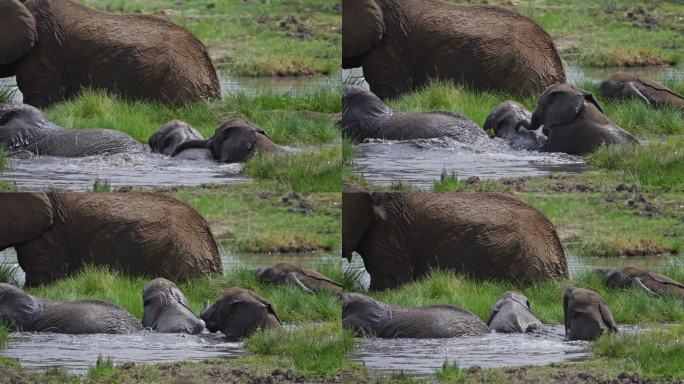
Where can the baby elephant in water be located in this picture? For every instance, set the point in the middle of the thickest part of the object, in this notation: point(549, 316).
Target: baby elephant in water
point(623, 86)
point(172, 134)
point(238, 313)
point(586, 315)
point(369, 317)
point(574, 121)
point(365, 116)
point(28, 313)
point(166, 309)
point(510, 121)
point(651, 282)
point(25, 128)
point(234, 141)
point(309, 281)
point(512, 313)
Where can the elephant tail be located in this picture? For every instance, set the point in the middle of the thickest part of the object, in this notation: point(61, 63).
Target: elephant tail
point(196, 143)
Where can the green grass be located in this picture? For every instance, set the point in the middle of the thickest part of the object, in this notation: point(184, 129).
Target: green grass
point(628, 306)
point(3, 335)
point(247, 39)
point(657, 353)
point(269, 221)
point(103, 370)
point(6, 94)
point(6, 273)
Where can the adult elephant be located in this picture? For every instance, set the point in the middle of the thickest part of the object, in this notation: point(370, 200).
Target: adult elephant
point(25, 128)
point(234, 141)
point(166, 309)
point(58, 47)
point(651, 282)
point(586, 314)
point(365, 116)
point(27, 313)
point(510, 121)
point(238, 313)
point(574, 121)
point(624, 86)
point(401, 45)
point(402, 236)
point(57, 234)
point(369, 317)
point(172, 134)
point(307, 280)
point(512, 313)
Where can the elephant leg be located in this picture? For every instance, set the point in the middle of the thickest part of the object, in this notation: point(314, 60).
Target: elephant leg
point(387, 73)
point(291, 278)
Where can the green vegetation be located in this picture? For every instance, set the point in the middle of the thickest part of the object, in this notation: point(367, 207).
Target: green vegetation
point(6, 273)
point(103, 370)
point(269, 221)
point(608, 33)
point(250, 38)
point(3, 335)
point(6, 93)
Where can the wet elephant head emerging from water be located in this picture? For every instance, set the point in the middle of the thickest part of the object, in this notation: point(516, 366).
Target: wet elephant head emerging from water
point(56, 48)
point(238, 313)
point(512, 313)
point(57, 234)
point(174, 133)
point(365, 116)
point(510, 121)
point(402, 236)
point(24, 312)
point(309, 281)
point(574, 121)
point(624, 86)
point(586, 315)
point(401, 45)
point(369, 317)
point(166, 309)
point(234, 141)
point(651, 282)
point(25, 128)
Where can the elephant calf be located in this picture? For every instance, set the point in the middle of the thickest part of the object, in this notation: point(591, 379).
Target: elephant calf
point(369, 317)
point(234, 141)
point(510, 121)
point(25, 128)
point(586, 315)
point(56, 234)
point(28, 313)
point(172, 134)
point(365, 116)
point(238, 313)
point(623, 86)
point(512, 313)
point(166, 309)
point(574, 121)
point(309, 281)
point(651, 282)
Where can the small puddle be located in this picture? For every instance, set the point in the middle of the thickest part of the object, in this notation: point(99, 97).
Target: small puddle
point(77, 353)
point(41, 173)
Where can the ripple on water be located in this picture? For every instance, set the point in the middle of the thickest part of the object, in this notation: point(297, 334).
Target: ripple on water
point(77, 353)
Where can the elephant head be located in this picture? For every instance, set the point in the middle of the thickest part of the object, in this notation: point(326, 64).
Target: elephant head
point(18, 309)
point(238, 313)
point(234, 141)
point(363, 27)
point(624, 86)
point(364, 315)
point(559, 105)
point(357, 215)
point(586, 315)
point(307, 280)
point(512, 313)
point(166, 309)
point(25, 216)
point(363, 113)
point(18, 34)
point(653, 283)
point(171, 135)
point(510, 121)
point(22, 125)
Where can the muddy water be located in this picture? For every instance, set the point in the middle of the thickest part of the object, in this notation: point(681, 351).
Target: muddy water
point(77, 353)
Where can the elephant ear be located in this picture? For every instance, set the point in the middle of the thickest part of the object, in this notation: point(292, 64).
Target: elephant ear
point(363, 26)
point(357, 215)
point(234, 142)
point(562, 107)
point(18, 31)
point(241, 316)
point(607, 317)
point(25, 216)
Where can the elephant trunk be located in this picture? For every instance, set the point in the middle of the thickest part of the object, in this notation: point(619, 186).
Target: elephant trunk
point(197, 143)
point(17, 30)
